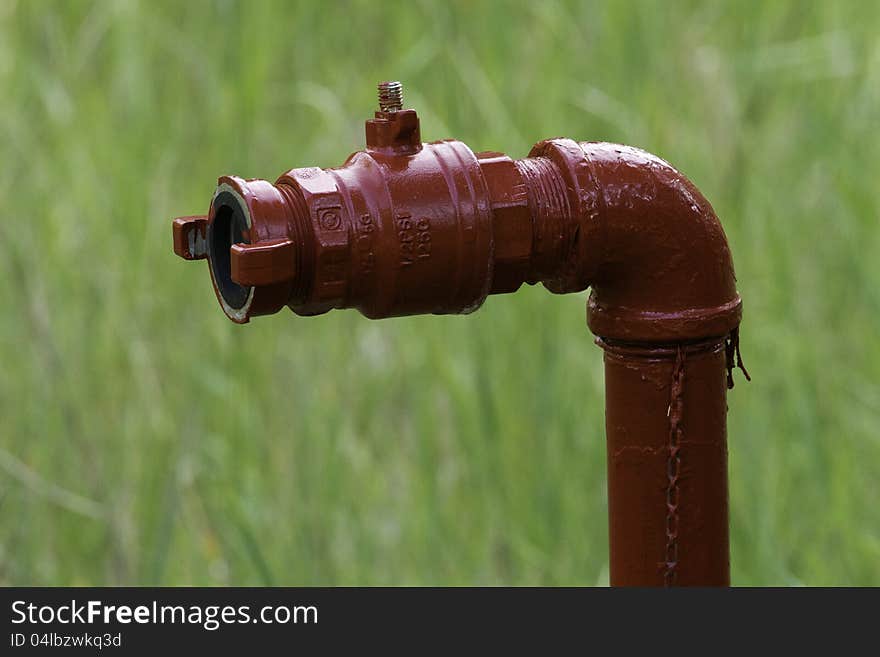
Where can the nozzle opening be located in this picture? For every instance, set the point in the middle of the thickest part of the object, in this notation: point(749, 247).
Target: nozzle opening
point(229, 226)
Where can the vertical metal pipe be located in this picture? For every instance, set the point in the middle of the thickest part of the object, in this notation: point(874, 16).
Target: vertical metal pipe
point(665, 420)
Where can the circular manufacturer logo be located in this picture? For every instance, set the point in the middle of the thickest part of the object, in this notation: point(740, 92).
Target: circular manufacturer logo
point(330, 219)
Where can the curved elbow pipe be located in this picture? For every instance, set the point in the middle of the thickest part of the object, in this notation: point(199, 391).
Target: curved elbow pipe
point(643, 238)
point(406, 227)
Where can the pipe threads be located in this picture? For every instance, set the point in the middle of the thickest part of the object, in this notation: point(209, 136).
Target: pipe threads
point(548, 205)
point(303, 238)
point(390, 96)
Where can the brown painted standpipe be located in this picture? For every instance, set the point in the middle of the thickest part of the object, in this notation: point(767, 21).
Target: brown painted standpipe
point(405, 228)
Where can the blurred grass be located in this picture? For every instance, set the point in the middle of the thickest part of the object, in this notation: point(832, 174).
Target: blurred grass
point(144, 439)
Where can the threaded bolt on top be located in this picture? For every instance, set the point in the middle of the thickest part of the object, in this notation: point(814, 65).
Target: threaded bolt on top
point(390, 96)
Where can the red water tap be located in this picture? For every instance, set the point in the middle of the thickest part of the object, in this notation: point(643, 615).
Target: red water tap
point(405, 227)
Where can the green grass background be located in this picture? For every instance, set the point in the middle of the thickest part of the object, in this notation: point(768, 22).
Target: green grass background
point(145, 439)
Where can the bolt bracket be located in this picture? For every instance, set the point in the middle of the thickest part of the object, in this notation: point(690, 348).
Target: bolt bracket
point(263, 263)
point(190, 241)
